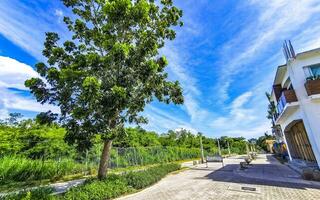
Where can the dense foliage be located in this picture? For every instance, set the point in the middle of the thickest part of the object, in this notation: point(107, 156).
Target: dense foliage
point(32, 151)
point(237, 145)
point(43, 193)
point(32, 140)
point(261, 141)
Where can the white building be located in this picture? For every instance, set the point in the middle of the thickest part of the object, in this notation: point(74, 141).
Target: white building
point(296, 94)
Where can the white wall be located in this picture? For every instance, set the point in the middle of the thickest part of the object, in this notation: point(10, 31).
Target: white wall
point(309, 110)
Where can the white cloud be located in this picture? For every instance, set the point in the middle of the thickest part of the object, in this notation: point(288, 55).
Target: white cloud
point(13, 73)
point(14, 101)
point(241, 100)
point(161, 121)
point(59, 13)
point(256, 51)
point(3, 111)
point(242, 119)
point(178, 71)
point(25, 25)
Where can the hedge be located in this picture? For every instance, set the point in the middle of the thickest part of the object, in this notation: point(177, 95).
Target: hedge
point(112, 187)
point(117, 185)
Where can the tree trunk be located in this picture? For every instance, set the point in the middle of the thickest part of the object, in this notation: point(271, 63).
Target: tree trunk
point(105, 155)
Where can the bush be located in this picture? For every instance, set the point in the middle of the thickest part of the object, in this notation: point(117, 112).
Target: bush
point(117, 185)
point(142, 179)
point(94, 189)
point(43, 193)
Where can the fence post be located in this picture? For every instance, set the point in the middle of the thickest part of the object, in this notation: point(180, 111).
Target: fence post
point(86, 170)
point(117, 159)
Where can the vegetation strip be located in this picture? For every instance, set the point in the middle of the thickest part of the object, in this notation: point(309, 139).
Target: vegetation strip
point(112, 187)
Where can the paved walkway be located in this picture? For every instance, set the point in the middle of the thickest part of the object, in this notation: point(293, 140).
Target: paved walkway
point(267, 177)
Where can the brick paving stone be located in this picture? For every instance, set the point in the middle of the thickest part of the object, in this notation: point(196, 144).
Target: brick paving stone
point(273, 180)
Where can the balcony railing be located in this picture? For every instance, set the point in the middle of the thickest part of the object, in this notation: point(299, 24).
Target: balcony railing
point(287, 96)
point(312, 87)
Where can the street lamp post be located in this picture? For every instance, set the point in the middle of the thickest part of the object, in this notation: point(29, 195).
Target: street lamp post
point(219, 147)
point(201, 147)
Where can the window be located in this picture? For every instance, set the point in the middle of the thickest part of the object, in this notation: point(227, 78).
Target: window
point(312, 71)
point(315, 70)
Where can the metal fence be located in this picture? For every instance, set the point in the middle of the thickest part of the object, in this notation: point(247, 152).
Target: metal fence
point(135, 156)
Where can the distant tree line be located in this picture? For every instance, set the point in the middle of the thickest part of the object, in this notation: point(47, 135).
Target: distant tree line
point(34, 140)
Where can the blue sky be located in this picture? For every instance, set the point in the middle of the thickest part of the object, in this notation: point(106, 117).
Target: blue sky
point(225, 58)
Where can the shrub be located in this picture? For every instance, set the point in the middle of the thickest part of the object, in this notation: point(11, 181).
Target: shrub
point(142, 179)
point(43, 193)
point(117, 185)
point(94, 189)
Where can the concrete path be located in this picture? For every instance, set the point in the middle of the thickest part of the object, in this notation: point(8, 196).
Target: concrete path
point(266, 179)
point(62, 187)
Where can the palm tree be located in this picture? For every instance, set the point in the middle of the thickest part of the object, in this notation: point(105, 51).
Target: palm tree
point(271, 109)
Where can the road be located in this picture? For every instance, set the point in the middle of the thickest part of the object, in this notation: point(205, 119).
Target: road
point(266, 179)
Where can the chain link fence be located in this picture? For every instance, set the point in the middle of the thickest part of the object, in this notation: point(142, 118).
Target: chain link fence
point(22, 168)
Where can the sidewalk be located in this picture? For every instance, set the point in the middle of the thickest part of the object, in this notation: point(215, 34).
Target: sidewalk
point(266, 167)
point(265, 179)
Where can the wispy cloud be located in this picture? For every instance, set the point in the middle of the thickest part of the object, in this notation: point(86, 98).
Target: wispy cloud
point(223, 56)
point(277, 20)
point(25, 24)
point(243, 119)
point(161, 121)
point(178, 65)
point(9, 100)
point(59, 13)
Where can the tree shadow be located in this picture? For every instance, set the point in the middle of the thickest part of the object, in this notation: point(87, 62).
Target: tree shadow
point(229, 173)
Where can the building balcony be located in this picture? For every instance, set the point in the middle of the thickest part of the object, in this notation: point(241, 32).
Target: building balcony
point(287, 104)
point(313, 88)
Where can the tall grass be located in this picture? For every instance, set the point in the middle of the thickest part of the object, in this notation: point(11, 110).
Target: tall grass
point(124, 157)
point(23, 169)
point(15, 168)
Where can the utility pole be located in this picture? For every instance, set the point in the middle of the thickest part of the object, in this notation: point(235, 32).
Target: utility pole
point(229, 148)
point(219, 147)
point(201, 147)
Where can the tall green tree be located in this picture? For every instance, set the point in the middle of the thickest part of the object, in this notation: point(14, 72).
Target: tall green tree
point(110, 70)
point(272, 110)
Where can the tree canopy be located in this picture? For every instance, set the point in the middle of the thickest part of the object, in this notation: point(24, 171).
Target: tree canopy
point(111, 68)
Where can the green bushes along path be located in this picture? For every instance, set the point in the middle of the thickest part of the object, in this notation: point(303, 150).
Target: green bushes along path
point(117, 185)
point(114, 186)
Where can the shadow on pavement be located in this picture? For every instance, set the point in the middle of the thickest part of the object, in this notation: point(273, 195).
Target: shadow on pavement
point(228, 174)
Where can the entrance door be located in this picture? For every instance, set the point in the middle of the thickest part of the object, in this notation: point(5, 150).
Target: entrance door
point(299, 144)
